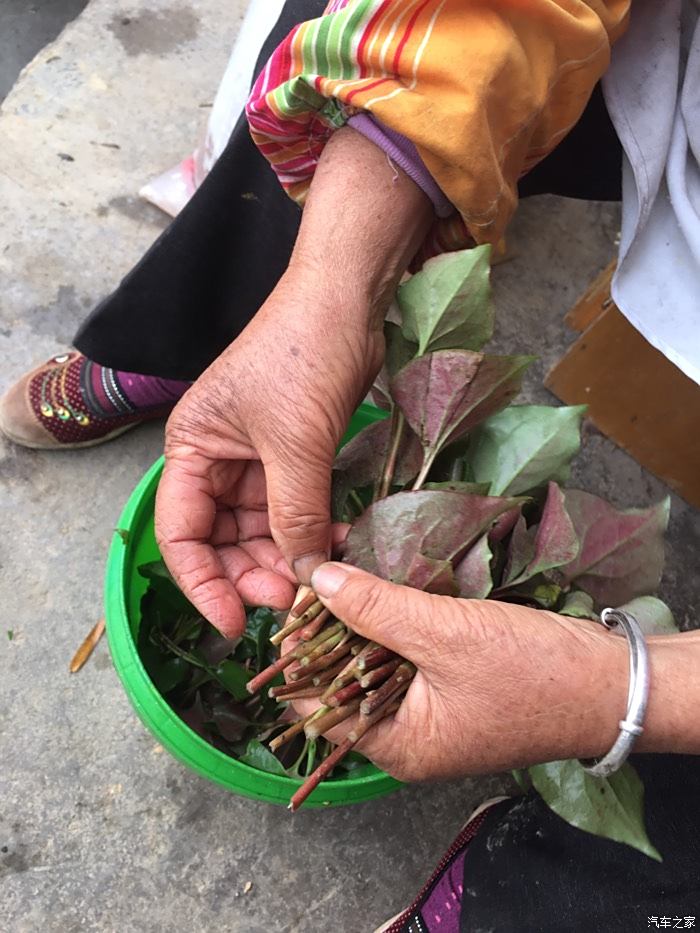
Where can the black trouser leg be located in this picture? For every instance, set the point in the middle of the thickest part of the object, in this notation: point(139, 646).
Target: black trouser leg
point(206, 275)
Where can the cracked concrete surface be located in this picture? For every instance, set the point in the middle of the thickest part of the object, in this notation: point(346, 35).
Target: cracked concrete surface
point(99, 829)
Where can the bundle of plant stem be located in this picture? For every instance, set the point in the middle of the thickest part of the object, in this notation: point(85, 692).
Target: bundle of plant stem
point(203, 675)
point(458, 492)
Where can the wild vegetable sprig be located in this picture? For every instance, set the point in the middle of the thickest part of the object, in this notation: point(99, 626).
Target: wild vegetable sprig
point(459, 492)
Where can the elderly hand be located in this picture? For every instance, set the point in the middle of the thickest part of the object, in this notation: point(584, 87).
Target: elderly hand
point(498, 686)
point(243, 507)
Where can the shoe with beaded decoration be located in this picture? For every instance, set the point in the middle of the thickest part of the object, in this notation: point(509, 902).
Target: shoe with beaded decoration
point(57, 406)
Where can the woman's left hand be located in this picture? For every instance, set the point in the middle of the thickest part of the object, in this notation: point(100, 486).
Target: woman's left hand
point(498, 686)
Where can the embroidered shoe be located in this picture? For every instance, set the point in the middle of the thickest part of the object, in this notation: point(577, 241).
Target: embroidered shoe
point(56, 406)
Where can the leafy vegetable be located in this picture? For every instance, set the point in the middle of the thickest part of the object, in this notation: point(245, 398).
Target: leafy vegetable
point(204, 677)
point(579, 605)
point(653, 615)
point(611, 807)
point(621, 553)
point(524, 446)
point(473, 573)
point(360, 461)
point(257, 756)
point(415, 538)
point(549, 544)
point(447, 304)
point(446, 394)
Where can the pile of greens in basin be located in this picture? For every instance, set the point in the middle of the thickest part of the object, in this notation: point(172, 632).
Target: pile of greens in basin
point(203, 677)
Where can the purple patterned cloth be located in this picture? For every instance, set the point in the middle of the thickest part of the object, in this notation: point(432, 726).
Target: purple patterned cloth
point(123, 392)
point(441, 909)
point(404, 153)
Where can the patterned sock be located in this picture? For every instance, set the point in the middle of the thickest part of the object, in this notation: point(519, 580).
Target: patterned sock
point(113, 391)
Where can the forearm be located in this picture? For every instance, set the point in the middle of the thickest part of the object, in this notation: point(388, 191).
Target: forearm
point(672, 721)
point(596, 682)
point(363, 222)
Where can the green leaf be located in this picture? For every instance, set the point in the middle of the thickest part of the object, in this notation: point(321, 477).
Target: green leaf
point(622, 552)
point(447, 304)
point(653, 615)
point(446, 394)
point(169, 674)
point(523, 446)
point(10, 634)
point(261, 624)
point(233, 677)
point(521, 778)
point(123, 534)
point(257, 756)
point(169, 597)
point(473, 573)
point(609, 807)
point(579, 605)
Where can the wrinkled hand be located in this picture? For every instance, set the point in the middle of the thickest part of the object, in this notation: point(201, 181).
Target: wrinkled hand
point(242, 511)
point(498, 686)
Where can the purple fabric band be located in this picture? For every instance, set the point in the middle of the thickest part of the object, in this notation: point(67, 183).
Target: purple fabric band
point(402, 151)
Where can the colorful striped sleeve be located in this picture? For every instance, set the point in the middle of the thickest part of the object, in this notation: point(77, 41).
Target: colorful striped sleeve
point(483, 89)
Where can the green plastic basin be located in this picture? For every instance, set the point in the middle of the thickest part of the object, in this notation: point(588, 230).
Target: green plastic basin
point(123, 591)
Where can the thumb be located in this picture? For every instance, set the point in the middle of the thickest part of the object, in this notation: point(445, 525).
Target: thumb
point(397, 617)
point(298, 503)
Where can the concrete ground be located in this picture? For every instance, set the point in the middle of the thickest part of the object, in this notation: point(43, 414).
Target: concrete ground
point(25, 28)
point(99, 829)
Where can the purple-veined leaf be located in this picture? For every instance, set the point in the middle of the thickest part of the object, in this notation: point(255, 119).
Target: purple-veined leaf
point(621, 553)
point(550, 544)
point(379, 393)
point(521, 550)
point(447, 304)
point(361, 459)
point(504, 525)
point(432, 576)
point(473, 572)
point(392, 533)
point(446, 394)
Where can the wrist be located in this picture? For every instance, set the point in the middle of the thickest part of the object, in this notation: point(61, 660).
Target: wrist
point(670, 724)
point(362, 224)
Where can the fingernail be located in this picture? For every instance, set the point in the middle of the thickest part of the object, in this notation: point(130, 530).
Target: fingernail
point(305, 566)
point(327, 579)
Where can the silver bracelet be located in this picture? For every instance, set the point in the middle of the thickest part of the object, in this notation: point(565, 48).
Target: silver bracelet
point(637, 695)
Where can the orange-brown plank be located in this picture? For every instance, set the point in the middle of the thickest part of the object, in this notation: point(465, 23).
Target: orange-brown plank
point(595, 300)
point(637, 398)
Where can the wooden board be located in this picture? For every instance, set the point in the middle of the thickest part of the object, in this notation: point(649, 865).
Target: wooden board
point(634, 394)
point(593, 302)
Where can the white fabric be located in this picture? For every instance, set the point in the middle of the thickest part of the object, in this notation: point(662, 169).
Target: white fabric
point(652, 90)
